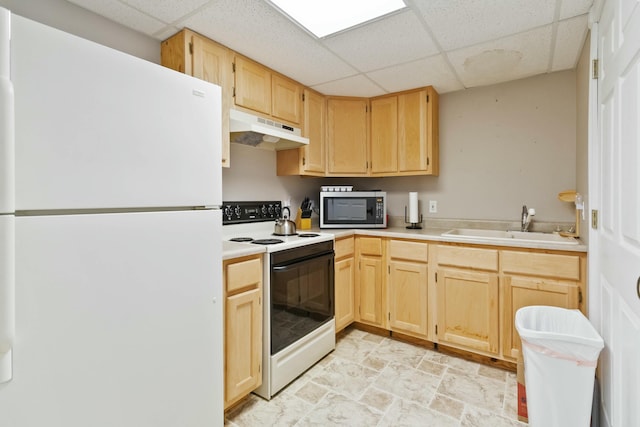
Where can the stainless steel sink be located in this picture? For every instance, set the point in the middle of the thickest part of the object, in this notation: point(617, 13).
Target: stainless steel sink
point(530, 236)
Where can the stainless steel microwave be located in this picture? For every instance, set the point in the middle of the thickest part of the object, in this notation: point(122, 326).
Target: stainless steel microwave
point(353, 209)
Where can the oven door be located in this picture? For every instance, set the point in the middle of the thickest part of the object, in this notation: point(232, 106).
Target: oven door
point(301, 297)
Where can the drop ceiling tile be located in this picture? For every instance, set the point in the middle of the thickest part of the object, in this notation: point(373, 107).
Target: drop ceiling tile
point(257, 30)
point(569, 41)
point(458, 23)
point(571, 8)
point(357, 85)
point(398, 38)
point(166, 10)
point(123, 14)
point(433, 71)
point(503, 60)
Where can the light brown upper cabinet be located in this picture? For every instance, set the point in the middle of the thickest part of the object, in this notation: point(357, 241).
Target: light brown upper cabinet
point(286, 99)
point(347, 136)
point(252, 85)
point(197, 56)
point(309, 160)
point(262, 90)
point(384, 135)
point(404, 133)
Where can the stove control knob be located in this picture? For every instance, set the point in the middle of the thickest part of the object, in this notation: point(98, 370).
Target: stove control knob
point(277, 211)
point(271, 211)
point(237, 211)
point(227, 211)
point(263, 209)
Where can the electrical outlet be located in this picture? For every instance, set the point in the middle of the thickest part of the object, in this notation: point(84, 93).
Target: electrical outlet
point(433, 206)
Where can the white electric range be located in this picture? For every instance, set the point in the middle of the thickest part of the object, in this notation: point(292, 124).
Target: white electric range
point(298, 291)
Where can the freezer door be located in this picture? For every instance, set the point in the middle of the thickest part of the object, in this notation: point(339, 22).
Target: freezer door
point(118, 321)
point(97, 128)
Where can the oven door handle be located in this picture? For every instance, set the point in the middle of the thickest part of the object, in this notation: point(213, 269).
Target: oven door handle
point(285, 267)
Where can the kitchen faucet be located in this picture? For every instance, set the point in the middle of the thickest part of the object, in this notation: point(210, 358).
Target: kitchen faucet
point(526, 218)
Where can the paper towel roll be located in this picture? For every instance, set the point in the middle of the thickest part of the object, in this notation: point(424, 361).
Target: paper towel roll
point(413, 207)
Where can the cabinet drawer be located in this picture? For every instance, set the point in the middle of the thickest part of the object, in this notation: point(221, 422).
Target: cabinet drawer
point(344, 247)
point(538, 264)
point(414, 251)
point(481, 259)
point(370, 245)
point(243, 274)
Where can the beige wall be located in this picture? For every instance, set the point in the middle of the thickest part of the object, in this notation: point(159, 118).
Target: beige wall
point(501, 146)
point(76, 20)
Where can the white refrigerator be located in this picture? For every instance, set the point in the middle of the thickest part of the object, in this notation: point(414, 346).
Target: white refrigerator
point(111, 310)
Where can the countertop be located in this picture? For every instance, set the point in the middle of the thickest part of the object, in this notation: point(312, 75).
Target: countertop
point(232, 250)
point(235, 250)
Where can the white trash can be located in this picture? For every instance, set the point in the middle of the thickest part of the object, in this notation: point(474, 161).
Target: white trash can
point(561, 350)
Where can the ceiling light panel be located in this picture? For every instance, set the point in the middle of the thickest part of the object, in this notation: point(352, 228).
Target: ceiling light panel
point(324, 17)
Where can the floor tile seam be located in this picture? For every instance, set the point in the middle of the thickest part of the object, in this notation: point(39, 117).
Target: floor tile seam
point(481, 409)
point(475, 375)
point(420, 404)
point(314, 406)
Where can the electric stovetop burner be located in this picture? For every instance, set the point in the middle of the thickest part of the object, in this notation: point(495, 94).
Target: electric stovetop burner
point(267, 241)
point(241, 239)
point(308, 235)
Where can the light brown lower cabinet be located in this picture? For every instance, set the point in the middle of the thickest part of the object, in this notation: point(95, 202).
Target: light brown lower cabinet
point(537, 279)
point(243, 327)
point(468, 292)
point(370, 291)
point(408, 287)
point(457, 295)
point(344, 282)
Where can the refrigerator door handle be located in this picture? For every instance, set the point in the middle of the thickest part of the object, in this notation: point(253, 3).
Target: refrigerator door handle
point(7, 294)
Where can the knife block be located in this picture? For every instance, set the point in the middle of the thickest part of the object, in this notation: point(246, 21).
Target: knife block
point(302, 223)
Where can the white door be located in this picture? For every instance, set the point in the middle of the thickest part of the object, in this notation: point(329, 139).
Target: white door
point(615, 193)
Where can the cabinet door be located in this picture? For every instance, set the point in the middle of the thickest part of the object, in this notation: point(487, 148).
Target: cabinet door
point(243, 339)
point(468, 313)
point(418, 130)
point(212, 63)
point(384, 135)
point(408, 297)
point(253, 85)
point(344, 288)
point(315, 113)
point(412, 132)
point(286, 99)
point(521, 291)
point(370, 291)
point(347, 137)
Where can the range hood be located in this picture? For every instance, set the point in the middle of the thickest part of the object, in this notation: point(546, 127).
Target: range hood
point(255, 131)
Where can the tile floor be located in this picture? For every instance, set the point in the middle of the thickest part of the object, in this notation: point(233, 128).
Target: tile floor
point(375, 381)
